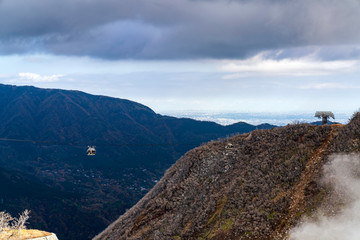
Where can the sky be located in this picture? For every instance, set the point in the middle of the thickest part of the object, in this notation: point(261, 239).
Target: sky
point(189, 55)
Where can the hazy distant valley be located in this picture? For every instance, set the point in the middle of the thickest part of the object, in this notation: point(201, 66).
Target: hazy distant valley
point(278, 119)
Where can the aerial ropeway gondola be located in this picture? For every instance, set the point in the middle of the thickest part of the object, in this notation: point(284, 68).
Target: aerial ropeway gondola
point(91, 151)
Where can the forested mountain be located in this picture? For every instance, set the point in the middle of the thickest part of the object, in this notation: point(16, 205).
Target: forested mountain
point(44, 134)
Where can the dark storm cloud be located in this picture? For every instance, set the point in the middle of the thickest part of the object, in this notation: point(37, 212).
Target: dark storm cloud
point(163, 29)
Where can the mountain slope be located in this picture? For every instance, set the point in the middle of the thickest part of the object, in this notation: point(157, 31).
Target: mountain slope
point(257, 190)
point(134, 148)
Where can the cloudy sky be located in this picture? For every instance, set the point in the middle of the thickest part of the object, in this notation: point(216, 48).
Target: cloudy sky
point(179, 55)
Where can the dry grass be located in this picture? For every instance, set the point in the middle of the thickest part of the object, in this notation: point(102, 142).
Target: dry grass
point(23, 234)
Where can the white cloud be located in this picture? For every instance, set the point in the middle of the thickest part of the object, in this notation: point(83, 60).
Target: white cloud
point(305, 66)
point(37, 78)
point(328, 85)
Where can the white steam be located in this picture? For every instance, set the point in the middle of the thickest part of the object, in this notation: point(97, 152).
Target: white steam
point(343, 173)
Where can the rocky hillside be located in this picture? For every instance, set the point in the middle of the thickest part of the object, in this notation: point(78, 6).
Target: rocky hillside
point(258, 189)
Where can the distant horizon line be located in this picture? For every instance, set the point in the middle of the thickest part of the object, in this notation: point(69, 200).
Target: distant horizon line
point(256, 118)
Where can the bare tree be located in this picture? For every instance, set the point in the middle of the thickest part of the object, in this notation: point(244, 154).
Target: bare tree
point(5, 219)
point(13, 225)
point(20, 223)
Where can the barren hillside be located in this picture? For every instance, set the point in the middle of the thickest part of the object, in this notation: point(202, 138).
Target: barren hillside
point(258, 189)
